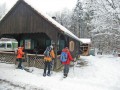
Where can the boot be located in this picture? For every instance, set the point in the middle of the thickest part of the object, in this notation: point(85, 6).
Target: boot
point(65, 75)
point(44, 74)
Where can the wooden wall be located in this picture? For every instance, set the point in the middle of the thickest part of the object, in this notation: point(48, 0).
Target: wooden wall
point(23, 19)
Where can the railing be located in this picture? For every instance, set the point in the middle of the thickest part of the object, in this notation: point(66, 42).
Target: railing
point(31, 60)
point(7, 57)
point(35, 60)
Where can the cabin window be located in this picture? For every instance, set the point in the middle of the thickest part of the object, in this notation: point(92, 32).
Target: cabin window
point(61, 45)
point(9, 45)
point(21, 43)
point(2, 45)
point(71, 45)
point(28, 44)
point(48, 43)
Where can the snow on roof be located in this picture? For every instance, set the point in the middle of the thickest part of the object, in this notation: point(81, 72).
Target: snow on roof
point(63, 29)
point(8, 39)
point(85, 40)
point(66, 31)
point(8, 42)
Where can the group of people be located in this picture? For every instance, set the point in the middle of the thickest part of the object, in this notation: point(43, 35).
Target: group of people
point(49, 57)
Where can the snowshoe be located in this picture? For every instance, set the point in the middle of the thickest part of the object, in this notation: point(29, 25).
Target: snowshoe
point(26, 69)
point(65, 75)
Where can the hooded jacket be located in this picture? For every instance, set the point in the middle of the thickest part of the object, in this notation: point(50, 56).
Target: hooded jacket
point(69, 56)
point(20, 52)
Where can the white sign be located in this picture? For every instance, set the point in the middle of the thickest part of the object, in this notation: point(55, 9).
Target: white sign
point(27, 44)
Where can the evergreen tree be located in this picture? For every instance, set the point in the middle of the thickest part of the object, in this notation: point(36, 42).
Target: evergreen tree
point(77, 24)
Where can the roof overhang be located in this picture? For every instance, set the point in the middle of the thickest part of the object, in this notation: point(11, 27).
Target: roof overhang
point(85, 40)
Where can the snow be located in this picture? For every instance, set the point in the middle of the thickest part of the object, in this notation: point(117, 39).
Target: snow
point(85, 40)
point(100, 73)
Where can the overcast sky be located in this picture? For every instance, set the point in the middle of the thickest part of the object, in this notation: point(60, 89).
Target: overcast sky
point(46, 5)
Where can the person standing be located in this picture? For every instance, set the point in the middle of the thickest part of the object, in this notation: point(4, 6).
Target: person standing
point(49, 55)
point(20, 54)
point(67, 62)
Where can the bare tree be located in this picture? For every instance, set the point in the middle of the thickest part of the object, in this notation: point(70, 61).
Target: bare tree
point(63, 17)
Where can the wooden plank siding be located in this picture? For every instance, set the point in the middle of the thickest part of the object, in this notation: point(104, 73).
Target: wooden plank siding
point(24, 20)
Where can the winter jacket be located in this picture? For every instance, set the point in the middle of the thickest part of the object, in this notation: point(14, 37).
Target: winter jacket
point(20, 52)
point(49, 58)
point(69, 56)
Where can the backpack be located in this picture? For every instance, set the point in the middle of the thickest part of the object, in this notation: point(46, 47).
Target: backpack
point(63, 57)
point(47, 52)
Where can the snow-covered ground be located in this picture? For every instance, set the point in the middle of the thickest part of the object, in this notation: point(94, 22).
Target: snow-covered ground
point(100, 73)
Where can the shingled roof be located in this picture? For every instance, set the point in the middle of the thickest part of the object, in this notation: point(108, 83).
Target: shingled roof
point(48, 18)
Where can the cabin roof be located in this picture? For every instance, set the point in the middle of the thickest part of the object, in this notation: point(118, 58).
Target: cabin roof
point(85, 40)
point(48, 18)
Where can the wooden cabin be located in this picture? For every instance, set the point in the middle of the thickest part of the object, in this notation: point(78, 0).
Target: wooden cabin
point(36, 30)
point(85, 46)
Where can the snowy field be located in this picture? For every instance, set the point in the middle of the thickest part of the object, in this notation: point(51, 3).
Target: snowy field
point(100, 73)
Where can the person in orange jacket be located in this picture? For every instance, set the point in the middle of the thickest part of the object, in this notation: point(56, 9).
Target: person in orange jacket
point(48, 59)
point(20, 54)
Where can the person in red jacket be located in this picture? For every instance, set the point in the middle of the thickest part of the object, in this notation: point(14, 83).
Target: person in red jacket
point(20, 54)
point(67, 63)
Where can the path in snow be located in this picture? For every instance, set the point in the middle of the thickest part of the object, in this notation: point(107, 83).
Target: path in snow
point(100, 73)
point(7, 85)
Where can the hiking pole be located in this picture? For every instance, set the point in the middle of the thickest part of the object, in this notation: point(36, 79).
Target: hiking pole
point(52, 66)
point(74, 68)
